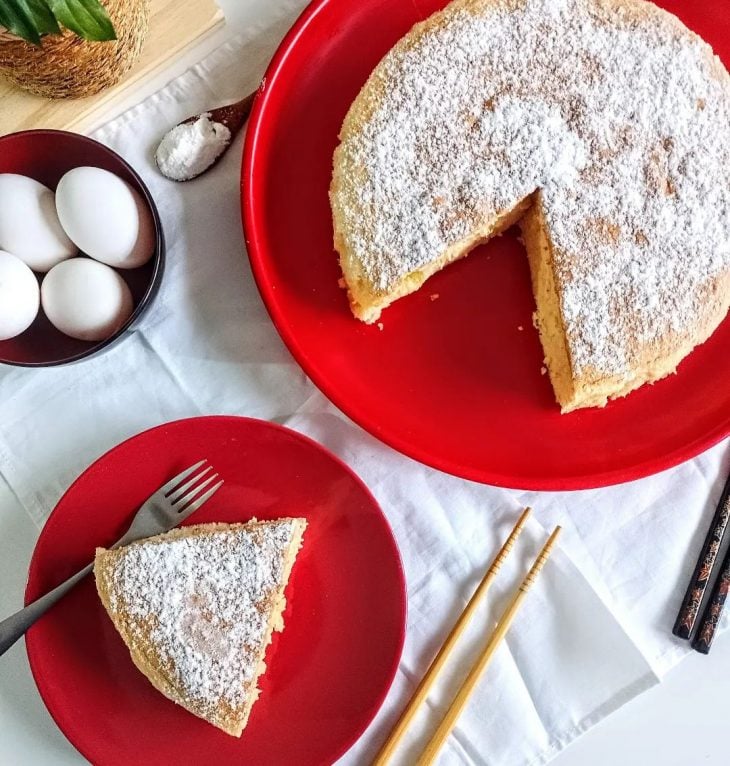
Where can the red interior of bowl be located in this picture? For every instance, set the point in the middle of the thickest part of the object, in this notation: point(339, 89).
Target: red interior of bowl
point(46, 155)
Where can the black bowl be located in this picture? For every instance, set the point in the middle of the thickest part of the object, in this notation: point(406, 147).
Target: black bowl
point(47, 155)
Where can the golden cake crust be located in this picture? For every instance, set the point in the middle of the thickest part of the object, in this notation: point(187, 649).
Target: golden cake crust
point(168, 651)
point(599, 125)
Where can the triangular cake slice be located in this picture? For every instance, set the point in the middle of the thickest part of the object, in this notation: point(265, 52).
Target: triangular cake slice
point(197, 607)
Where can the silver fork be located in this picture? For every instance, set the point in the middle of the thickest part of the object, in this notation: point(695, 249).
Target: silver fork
point(168, 507)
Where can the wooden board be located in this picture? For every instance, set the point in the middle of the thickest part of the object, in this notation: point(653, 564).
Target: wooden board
point(174, 25)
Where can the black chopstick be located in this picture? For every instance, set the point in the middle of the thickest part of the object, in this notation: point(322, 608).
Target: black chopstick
point(687, 617)
point(713, 611)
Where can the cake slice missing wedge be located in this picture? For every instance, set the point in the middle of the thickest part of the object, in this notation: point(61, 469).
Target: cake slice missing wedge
point(197, 606)
point(600, 126)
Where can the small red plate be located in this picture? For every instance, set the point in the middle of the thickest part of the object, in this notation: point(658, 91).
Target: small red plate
point(328, 672)
point(454, 382)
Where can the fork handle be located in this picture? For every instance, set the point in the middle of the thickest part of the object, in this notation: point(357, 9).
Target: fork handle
point(13, 627)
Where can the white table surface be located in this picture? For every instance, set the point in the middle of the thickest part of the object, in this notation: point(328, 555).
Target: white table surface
point(680, 722)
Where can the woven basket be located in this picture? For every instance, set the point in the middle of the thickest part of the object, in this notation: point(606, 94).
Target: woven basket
point(65, 66)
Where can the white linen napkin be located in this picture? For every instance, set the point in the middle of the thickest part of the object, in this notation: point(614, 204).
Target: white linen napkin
point(596, 629)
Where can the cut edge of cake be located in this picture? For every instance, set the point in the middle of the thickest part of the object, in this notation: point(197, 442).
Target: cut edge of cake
point(591, 387)
point(146, 659)
point(367, 304)
point(572, 391)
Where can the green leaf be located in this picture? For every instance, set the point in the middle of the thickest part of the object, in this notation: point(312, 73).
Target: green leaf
point(28, 19)
point(85, 17)
point(14, 18)
point(44, 20)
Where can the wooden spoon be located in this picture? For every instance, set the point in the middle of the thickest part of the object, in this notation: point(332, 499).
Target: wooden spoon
point(196, 144)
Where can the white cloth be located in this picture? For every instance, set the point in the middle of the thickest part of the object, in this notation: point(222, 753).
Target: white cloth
point(594, 632)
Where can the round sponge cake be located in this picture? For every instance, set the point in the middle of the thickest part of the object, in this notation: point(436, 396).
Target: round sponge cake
point(600, 126)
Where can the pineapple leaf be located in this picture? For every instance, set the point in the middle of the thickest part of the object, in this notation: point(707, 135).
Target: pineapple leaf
point(28, 19)
point(87, 18)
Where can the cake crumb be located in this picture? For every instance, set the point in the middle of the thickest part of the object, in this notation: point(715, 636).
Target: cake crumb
point(341, 283)
point(543, 370)
point(380, 326)
point(434, 296)
point(587, 101)
point(205, 599)
point(520, 327)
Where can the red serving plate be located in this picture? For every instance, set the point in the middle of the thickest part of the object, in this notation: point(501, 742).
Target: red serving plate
point(328, 672)
point(455, 382)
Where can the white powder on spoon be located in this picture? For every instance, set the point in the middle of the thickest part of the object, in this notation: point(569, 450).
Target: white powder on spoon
point(191, 148)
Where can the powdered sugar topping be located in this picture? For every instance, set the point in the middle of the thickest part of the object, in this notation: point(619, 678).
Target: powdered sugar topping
point(191, 148)
point(205, 601)
point(615, 112)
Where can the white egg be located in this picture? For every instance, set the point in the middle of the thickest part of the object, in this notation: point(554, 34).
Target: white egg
point(29, 225)
point(105, 217)
point(19, 296)
point(86, 299)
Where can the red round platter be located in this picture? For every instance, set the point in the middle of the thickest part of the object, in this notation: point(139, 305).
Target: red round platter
point(328, 672)
point(454, 382)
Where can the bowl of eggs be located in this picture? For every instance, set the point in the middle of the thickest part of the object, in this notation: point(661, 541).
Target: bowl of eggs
point(81, 248)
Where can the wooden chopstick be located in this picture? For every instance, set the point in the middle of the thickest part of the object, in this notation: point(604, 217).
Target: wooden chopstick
point(428, 680)
point(464, 693)
point(713, 611)
point(702, 574)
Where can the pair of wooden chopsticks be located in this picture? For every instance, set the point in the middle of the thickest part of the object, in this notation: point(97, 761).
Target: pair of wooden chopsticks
point(687, 619)
point(447, 724)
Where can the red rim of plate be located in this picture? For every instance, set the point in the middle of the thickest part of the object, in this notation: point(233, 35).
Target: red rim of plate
point(253, 222)
point(40, 679)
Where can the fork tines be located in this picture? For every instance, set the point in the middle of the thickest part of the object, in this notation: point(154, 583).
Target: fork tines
point(187, 496)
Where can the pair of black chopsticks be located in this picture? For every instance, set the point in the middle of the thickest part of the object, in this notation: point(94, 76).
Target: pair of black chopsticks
point(684, 627)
